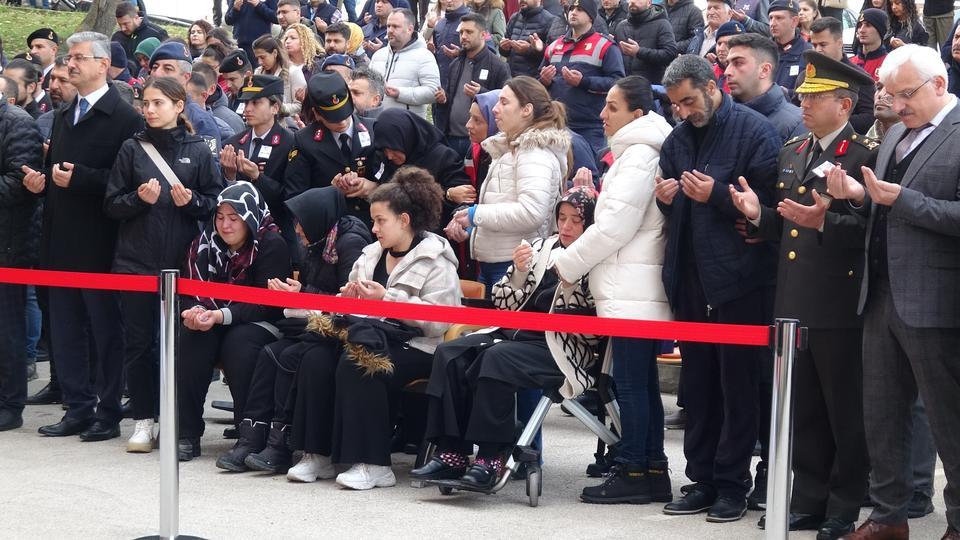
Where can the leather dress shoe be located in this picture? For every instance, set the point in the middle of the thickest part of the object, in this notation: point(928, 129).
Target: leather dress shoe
point(45, 396)
point(480, 477)
point(834, 528)
point(10, 420)
point(66, 427)
point(951, 534)
point(695, 500)
point(872, 530)
point(727, 509)
point(100, 430)
point(798, 522)
point(436, 469)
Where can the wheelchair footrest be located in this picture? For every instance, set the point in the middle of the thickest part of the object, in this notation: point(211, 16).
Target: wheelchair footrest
point(457, 485)
point(526, 454)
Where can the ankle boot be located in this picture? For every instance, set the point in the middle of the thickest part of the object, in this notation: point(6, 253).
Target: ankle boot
point(627, 483)
point(275, 458)
point(660, 488)
point(253, 437)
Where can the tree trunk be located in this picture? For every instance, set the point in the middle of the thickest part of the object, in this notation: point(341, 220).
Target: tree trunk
point(100, 18)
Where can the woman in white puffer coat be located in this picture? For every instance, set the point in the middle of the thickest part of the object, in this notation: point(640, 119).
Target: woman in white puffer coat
point(530, 155)
point(623, 254)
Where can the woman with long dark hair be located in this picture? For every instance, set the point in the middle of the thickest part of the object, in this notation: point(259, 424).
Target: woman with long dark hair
point(905, 24)
point(159, 217)
point(272, 60)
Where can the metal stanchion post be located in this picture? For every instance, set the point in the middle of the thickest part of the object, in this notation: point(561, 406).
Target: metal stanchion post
point(169, 464)
point(781, 437)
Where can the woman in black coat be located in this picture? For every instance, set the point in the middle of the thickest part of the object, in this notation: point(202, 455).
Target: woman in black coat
point(405, 138)
point(158, 220)
point(333, 241)
point(241, 246)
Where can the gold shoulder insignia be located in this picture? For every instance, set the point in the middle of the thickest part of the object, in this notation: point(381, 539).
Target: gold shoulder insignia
point(867, 143)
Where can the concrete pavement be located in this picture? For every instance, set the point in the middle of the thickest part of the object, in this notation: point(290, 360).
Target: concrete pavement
point(62, 488)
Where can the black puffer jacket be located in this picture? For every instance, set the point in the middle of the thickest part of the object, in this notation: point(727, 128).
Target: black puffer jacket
point(153, 237)
point(21, 145)
point(652, 31)
point(685, 18)
point(613, 19)
point(521, 26)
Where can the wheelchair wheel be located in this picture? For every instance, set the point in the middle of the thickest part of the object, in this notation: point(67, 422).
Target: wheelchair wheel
point(534, 484)
point(444, 490)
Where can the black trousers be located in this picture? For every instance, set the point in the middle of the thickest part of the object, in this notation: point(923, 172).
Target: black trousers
point(141, 313)
point(830, 462)
point(13, 347)
point(473, 386)
point(273, 379)
point(87, 335)
point(312, 397)
point(236, 348)
point(720, 391)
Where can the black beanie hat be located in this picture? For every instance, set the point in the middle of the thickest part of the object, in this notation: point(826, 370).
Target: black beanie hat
point(877, 18)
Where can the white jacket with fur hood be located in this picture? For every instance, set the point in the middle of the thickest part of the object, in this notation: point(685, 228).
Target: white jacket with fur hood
point(522, 187)
point(426, 275)
point(623, 249)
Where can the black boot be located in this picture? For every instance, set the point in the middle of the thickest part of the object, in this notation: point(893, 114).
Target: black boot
point(626, 484)
point(275, 458)
point(660, 488)
point(253, 437)
point(758, 498)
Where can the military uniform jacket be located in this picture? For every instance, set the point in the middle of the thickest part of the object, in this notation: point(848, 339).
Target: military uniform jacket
point(317, 158)
point(272, 161)
point(819, 272)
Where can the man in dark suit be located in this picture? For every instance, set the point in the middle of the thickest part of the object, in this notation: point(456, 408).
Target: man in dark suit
point(259, 154)
point(821, 258)
point(78, 236)
point(910, 289)
point(336, 149)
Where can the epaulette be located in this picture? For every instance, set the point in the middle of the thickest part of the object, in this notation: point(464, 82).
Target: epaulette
point(868, 143)
point(798, 138)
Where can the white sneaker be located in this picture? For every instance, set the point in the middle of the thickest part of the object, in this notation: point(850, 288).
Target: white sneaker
point(142, 439)
point(310, 468)
point(364, 476)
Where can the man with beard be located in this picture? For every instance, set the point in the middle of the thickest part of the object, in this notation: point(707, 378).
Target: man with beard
point(236, 69)
point(406, 64)
point(716, 142)
point(61, 92)
point(44, 45)
point(367, 90)
point(522, 43)
point(335, 39)
point(612, 12)
point(579, 69)
point(646, 40)
point(27, 76)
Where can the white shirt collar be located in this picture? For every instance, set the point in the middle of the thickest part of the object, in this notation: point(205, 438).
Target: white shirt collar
point(348, 131)
point(944, 112)
point(93, 97)
point(827, 139)
point(258, 136)
point(39, 97)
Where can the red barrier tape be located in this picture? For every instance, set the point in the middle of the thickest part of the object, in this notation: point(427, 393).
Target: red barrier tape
point(728, 334)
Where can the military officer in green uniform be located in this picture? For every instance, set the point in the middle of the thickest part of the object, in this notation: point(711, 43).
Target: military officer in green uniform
point(819, 271)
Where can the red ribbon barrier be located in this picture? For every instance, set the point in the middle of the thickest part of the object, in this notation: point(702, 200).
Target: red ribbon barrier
point(728, 334)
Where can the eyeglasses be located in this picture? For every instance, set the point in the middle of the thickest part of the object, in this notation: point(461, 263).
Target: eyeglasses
point(907, 94)
point(80, 57)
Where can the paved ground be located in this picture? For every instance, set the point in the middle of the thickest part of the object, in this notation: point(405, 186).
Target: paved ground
point(62, 488)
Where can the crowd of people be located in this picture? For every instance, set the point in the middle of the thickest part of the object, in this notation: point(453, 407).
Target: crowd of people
point(634, 160)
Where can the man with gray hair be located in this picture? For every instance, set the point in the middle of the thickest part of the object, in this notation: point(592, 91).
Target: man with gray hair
point(366, 90)
point(910, 287)
point(171, 59)
point(77, 236)
point(711, 274)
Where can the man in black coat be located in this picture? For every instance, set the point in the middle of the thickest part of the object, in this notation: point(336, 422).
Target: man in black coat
point(821, 260)
point(259, 153)
point(523, 41)
point(685, 18)
point(134, 29)
point(336, 149)
point(22, 147)
point(646, 40)
point(476, 70)
point(612, 12)
point(78, 236)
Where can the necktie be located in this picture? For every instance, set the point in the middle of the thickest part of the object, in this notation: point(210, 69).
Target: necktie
point(903, 147)
point(257, 143)
point(84, 106)
point(814, 155)
point(345, 146)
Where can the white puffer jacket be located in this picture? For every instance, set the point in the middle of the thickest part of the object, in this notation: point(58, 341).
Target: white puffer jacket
point(623, 249)
point(413, 71)
point(519, 194)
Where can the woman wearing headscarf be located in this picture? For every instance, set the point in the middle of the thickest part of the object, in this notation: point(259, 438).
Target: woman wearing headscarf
point(405, 138)
point(240, 246)
point(475, 378)
point(332, 241)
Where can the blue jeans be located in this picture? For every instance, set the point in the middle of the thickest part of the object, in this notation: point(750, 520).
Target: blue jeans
point(34, 322)
point(638, 394)
point(490, 274)
point(351, 7)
